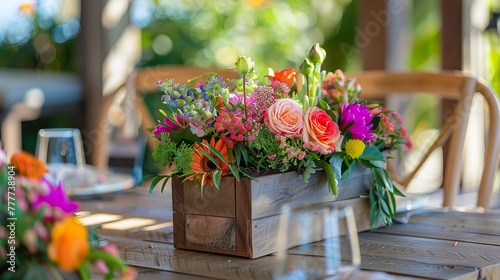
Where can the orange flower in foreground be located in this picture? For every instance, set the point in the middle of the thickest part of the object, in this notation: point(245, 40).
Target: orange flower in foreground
point(28, 165)
point(202, 164)
point(286, 76)
point(69, 245)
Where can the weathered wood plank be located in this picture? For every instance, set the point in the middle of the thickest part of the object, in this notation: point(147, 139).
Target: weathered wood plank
point(265, 231)
point(244, 237)
point(456, 223)
point(156, 274)
point(270, 192)
point(167, 258)
point(440, 232)
point(151, 257)
point(396, 259)
point(179, 215)
point(214, 202)
point(211, 232)
point(427, 250)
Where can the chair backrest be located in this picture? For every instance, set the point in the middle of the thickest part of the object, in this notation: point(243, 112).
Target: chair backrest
point(448, 85)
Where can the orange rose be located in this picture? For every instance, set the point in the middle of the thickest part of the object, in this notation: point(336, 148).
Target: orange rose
point(286, 76)
point(321, 133)
point(285, 118)
point(69, 245)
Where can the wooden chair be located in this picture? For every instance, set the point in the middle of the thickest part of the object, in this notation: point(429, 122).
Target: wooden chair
point(448, 85)
point(140, 84)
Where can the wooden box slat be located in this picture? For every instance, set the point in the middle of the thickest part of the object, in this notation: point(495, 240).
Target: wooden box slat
point(242, 218)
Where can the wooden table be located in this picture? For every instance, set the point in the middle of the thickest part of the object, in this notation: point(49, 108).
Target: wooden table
point(432, 245)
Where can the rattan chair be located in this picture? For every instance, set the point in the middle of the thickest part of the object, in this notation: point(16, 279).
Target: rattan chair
point(447, 85)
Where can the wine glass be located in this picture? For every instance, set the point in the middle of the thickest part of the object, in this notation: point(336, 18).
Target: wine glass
point(61, 149)
point(60, 145)
point(317, 241)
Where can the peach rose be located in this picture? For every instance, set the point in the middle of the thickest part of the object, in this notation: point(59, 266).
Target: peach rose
point(321, 133)
point(285, 118)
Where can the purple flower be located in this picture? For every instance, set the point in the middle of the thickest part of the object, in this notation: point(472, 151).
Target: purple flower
point(56, 197)
point(357, 119)
point(169, 125)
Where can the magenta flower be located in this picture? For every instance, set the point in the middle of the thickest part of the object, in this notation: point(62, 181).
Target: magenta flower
point(169, 125)
point(56, 198)
point(357, 119)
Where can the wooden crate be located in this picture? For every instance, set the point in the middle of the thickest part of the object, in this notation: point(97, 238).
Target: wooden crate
point(242, 217)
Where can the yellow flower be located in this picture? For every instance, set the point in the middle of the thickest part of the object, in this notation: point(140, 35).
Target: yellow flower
point(69, 245)
point(354, 148)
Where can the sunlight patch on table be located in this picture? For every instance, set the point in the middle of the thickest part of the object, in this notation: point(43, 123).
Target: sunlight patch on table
point(129, 224)
point(99, 218)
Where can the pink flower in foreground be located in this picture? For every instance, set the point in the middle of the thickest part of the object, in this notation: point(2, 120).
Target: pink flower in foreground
point(285, 118)
point(56, 198)
point(100, 264)
point(321, 133)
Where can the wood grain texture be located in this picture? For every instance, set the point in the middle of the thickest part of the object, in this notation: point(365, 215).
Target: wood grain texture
point(265, 230)
point(213, 201)
point(179, 215)
point(211, 232)
point(269, 193)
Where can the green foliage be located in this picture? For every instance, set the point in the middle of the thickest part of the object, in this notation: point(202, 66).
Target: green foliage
point(275, 33)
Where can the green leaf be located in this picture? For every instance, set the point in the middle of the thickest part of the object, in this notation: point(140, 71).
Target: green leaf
point(372, 153)
point(349, 170)
point(210, 157)
point(375, 122)
point(385, 207)
point(165, 183)
point(155, 182)
point(146, 178)
point(216, 176)
point(396, 191)
point(217, 153)
point(323, 105)
point(202, 182)
point(235, 170)
point(330, 175)
point(237, 154)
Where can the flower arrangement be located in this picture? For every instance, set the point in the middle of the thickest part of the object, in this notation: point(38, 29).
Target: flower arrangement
point(303, 120)
point(40, 236)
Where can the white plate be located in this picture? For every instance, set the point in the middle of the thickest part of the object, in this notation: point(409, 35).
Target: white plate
point(87, 180)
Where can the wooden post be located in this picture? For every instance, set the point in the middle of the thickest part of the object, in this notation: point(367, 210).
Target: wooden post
point(381, 34)
point(451, 59)
point(92, 56)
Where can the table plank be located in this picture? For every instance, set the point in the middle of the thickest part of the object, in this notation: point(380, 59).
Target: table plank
point(379, 255)
point(167, 258)
point(439, 232)
point(432, 245)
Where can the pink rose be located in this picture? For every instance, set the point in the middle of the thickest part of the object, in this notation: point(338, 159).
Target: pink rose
point(321, 133)
point(285, 118)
